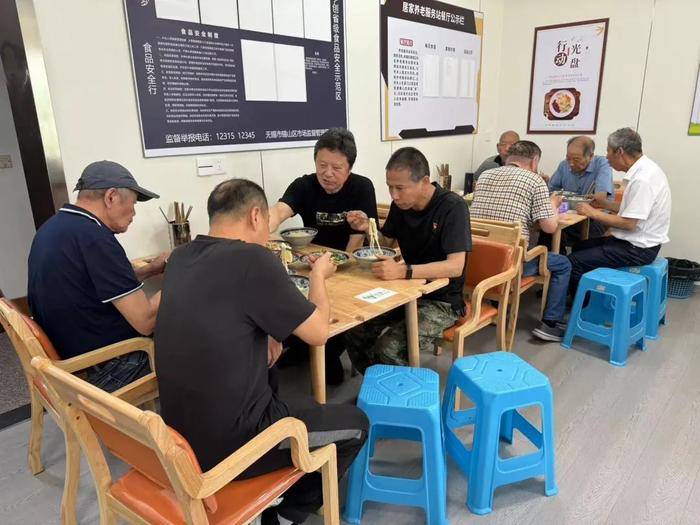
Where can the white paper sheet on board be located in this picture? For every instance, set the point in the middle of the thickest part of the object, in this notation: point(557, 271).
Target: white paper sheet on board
point(291, 75)
point(223, 13)
point(259, 70)
point(431, 75)
point(450, 77)
point(255, 15)
point(317, 20)
point(467, 78)
point(288, 16)
point(183, 10)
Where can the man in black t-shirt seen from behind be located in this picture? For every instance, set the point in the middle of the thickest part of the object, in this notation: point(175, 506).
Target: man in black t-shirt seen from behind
point(322, 199)
point(226, 303)
point(432, 228)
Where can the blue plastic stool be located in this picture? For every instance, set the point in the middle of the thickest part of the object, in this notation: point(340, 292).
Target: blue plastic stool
point(615, 315)
point(498, 383)
point(656, 275)
point(401, 403)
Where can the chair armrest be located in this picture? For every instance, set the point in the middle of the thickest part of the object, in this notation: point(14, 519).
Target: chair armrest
point(288, 428)
point(143, 389)
point(95, 357)
point(534, 253)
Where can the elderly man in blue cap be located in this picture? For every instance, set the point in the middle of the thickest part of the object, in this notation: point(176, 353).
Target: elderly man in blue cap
point(82, 289)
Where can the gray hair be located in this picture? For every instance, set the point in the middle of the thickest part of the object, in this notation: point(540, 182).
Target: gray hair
point(627, 140)
point(523, 150)
point(96, 195)
point(235, 197)
point(586, 143)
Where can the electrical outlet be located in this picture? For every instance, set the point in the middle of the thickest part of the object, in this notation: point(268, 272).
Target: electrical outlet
point(209, 166)
point(5, 161)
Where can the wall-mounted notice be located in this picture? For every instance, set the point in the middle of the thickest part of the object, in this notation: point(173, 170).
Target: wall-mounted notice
point(567, 70)
point(231, 75)
point(694, 128)
point(430, 69)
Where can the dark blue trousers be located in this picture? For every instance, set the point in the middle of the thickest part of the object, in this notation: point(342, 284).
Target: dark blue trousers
point(606, 252)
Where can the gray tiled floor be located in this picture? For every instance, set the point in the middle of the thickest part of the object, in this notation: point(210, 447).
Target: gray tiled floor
point(627, 441)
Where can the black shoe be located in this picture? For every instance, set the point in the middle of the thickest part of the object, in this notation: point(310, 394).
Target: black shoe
point(269, 517)
point(335, 374)
point(548, 333)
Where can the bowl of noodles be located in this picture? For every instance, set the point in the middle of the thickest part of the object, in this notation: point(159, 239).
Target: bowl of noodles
point(299, 237)
point(367, 256)
point(562, 103)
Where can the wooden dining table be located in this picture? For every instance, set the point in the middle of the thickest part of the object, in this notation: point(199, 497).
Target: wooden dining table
point(349, 311)
point(566, 220)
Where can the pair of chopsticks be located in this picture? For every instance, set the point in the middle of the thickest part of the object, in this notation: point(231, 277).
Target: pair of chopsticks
point(442, 169)
point(180, 215)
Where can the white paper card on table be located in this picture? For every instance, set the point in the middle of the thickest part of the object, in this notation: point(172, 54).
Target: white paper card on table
point(182, 10)
point(375, 295)
point(222, 13)
point(291, 73)
point(255, 15)
point(450, 77)
point(431, 75)
point(288, 16)
point(259, 70)
point(317, 20)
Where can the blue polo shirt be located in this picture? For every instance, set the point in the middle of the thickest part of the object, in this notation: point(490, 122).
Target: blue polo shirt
point(77, 268)
point(598, 170)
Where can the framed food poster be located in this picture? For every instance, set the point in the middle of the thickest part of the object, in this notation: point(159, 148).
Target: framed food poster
point(567, 71)
point(694, 128)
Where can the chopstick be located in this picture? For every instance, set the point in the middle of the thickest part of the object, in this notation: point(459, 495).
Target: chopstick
point(164, 215)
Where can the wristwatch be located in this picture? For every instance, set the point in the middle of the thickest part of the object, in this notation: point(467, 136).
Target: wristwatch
point(409, 271)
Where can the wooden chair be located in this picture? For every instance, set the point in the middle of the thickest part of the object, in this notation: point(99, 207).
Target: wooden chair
point(510, 233)
point(491, 268)
point(165, 484)
point(29, 341)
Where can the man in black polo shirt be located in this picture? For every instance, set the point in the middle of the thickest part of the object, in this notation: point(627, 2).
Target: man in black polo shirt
point(82, 289)
point(226, 302)
point(432, 228)
point(322, 200)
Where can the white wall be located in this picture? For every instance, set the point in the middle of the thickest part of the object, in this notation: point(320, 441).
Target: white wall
point(661, 100)
point(16, 221)
point(94, 102)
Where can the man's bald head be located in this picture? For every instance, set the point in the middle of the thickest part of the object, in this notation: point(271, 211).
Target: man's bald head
point(507, 139)
point(579, 153)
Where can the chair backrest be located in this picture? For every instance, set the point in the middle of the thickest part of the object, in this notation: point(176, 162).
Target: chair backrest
point(27, 337)
point(498, 231)
point(488, 258)
point(139, 438)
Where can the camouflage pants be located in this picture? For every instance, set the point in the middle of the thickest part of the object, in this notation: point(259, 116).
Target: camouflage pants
point(382, 340)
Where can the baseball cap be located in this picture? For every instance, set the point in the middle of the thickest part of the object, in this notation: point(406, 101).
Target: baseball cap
point(106, 174)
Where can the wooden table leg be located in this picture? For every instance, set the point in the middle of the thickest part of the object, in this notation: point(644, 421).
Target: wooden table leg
point(318, 372)
point(412, 333)
point(585, 229)
point(556, 240)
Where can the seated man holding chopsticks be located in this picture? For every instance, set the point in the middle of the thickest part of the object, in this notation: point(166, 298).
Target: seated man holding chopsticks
point(322, 199)
point(432, 228)
point(582, 173)
point(227, 301)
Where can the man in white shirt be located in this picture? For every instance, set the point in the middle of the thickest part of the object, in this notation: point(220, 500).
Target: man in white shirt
point(643, 218)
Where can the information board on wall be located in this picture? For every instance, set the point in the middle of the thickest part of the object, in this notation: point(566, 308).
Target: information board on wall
point(232, 75)
point(430, 69)
point(567, 71)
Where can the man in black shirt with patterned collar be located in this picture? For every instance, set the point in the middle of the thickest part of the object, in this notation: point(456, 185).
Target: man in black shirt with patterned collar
point(432, 228)
point(322, 199)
